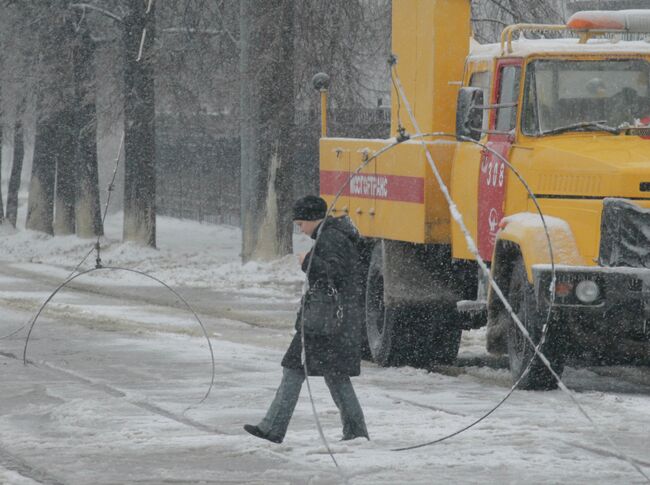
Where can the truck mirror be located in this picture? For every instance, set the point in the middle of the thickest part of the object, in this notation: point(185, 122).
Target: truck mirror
point(469, 113)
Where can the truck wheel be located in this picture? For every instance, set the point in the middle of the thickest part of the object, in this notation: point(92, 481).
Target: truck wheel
point(381, 322)
point(365, 253)
point(431, 333)
point(441, 334)
point(407, 334)
point(522, 299)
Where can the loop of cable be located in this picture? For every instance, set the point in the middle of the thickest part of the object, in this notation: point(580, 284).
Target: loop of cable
point(116, 268)
point(332, 205)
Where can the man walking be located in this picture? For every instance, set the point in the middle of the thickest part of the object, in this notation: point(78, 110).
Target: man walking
point(336, 356)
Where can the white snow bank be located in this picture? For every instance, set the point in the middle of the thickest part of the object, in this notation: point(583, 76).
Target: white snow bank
point(189, 254)
point(7, 476)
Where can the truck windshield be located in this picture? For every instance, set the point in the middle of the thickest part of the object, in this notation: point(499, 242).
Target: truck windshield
point(572, 95)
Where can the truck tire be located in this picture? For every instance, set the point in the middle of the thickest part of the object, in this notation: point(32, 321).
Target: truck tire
point(407, 334)
point(380, 321)
point(520, 352)
point(365, 248)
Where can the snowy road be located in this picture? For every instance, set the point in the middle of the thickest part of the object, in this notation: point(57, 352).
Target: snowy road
point(105, 403)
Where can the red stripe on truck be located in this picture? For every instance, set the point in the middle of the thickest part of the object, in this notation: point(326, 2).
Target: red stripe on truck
point(373, 186)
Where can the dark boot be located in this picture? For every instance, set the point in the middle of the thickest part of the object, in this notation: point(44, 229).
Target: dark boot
point(255, 431)
point(353, 430)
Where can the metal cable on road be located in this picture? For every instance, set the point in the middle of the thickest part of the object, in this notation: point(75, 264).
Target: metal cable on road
point(115, 268)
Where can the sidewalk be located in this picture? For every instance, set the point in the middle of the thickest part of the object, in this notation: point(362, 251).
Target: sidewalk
point(199, 261)
point(256, 310)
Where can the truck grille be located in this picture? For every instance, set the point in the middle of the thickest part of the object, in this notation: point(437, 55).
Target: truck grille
point(624, 234)
point(642, 132)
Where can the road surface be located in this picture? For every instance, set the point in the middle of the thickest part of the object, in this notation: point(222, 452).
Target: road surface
point(116, 374)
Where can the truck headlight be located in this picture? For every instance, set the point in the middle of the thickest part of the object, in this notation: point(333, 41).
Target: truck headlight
point(587, 291)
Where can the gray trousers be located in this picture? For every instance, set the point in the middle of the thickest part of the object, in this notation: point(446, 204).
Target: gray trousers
point(277, 418)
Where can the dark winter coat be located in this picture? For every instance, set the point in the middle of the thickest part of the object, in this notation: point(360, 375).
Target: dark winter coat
point(336, 255)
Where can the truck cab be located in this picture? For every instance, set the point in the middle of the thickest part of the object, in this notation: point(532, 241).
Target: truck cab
point(572, 118)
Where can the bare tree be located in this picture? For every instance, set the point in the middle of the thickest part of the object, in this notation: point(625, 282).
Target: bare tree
point(53, 142)
point(330, 40)
point(139, 124)
point(197, 63)
point(14, 79)
point(196, 56)
point(490, 16)
point(60, 161)
point(16, 169)
point(88, 221)
point(266, 126)
point(63, 193)
point(66, 171)
point(2, 213)
point(40, 204)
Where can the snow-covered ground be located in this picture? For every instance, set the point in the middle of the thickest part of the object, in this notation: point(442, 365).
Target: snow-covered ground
point(188, 254)
point(107, 401)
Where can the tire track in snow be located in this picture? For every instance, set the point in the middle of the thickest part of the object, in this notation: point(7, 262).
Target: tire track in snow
point(605, 453)
point(115, 392)
point(201, 299)
point(24, 469)
point(399, 400)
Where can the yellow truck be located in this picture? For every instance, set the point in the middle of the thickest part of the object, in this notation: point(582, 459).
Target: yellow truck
point(571, 115)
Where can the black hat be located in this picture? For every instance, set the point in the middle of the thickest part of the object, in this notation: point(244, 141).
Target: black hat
point(309, 208)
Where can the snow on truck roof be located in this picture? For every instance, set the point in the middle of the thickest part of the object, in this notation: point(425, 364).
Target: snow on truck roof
point(525, 47)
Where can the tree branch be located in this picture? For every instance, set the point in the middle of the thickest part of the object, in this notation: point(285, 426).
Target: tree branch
point(223, 26)
point(107, 13)
point(506, 9)
point(188, 30)
point(496, 21)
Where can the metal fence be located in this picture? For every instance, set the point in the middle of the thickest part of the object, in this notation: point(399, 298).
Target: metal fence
point(198, 160)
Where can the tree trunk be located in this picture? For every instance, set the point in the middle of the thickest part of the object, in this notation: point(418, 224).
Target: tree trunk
point(16, 171)
point(88, 218)
point(40, 204)
point(66, 171)
point(2, 211)
point(55, 143)
point(139, 126)
point(267, 113)
point(66, 174)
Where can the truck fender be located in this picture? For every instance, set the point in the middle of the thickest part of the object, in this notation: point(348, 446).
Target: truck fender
point(524, 234)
